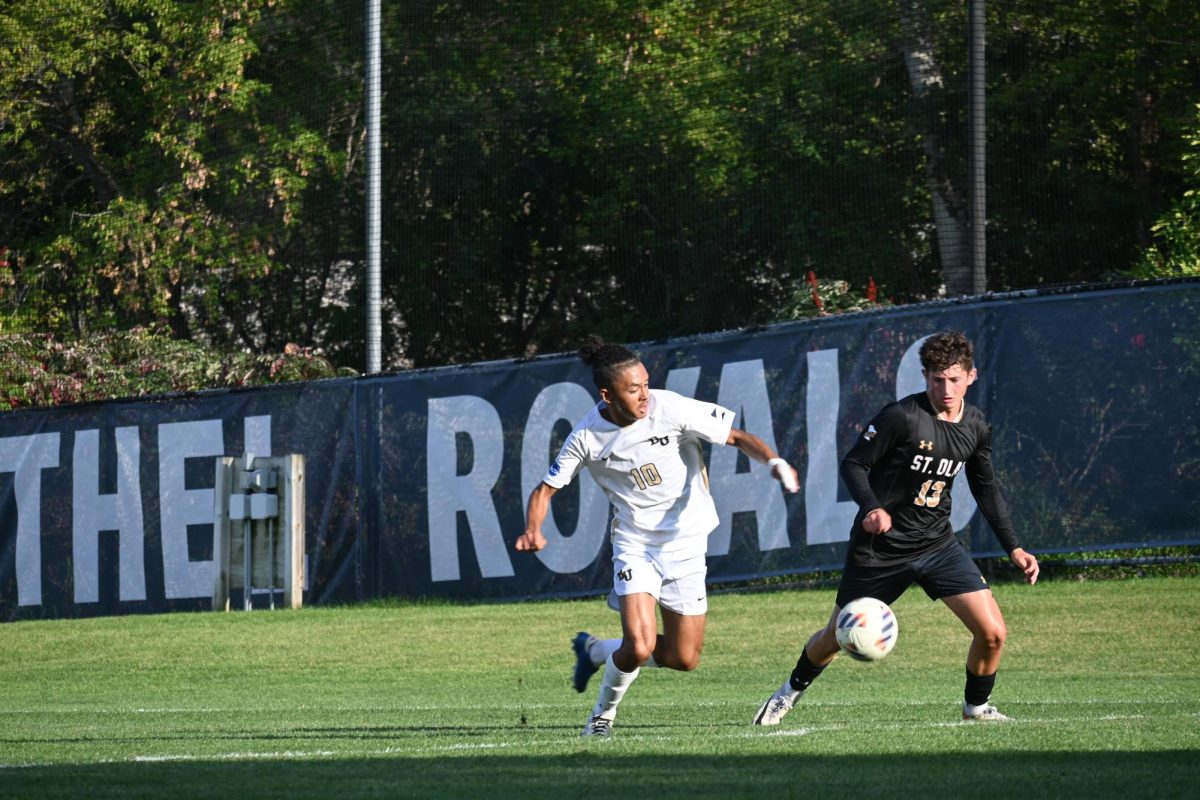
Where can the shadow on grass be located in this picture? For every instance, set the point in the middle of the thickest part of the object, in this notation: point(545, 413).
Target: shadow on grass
point(594, 770)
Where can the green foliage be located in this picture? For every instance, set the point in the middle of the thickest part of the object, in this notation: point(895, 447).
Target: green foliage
point(42, 370)
point(145, 182)
point(452, 701)
point(1088, 107)
point(1176, 252)
point(817, 297)
point(1181, 561)
point(554, 169)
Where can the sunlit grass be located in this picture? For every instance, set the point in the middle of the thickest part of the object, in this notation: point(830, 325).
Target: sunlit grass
point(1103, 680)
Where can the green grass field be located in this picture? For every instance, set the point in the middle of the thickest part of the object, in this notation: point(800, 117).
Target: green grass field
point(435, 700)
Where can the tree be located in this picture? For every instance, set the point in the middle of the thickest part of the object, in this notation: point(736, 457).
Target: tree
point(641, 172)
point(946, 194)
point(1088, 103)
point(552, 169)
point(1176, 250)
point(147, 178)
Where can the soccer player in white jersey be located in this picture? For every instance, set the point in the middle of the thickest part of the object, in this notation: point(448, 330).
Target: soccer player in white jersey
point(642, 446)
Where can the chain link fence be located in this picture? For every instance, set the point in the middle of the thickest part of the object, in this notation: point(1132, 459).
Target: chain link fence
point(641, 170)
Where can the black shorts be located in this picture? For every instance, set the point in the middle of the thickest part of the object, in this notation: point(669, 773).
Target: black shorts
point(942, 573)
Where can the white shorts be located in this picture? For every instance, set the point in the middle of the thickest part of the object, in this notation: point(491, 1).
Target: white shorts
point(675, 579)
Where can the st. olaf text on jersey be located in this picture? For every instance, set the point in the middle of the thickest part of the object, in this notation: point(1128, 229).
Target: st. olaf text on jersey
point(946, 467)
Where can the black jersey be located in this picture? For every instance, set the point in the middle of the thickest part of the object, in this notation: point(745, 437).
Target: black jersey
point(905, 462)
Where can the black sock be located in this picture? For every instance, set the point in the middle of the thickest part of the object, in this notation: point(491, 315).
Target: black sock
point(979, 688)
point(805, 672)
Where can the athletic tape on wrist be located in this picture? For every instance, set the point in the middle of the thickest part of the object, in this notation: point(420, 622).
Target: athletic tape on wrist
point(786, 476)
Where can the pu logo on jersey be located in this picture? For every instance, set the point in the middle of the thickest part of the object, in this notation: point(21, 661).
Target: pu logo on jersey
point(660, 439)
point(870, 433)
point(625, 574)
point(554, 469)
point(924, 445)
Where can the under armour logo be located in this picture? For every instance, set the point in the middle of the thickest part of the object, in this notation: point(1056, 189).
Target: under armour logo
point(924, 445)
point(625, 574)
point(659, 439)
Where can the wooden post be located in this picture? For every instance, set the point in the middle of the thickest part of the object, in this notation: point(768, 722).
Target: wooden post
point(222, 488)
point(291, 527)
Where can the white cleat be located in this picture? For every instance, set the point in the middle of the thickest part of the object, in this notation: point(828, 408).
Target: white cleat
point(600, 727)
point(777, 705)
point(983, 713)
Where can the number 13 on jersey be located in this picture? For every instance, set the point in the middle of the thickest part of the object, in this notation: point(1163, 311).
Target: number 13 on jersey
point(930, 494)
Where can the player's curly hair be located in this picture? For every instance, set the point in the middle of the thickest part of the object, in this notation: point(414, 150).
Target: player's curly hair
point(945, 349)
point(605, 359)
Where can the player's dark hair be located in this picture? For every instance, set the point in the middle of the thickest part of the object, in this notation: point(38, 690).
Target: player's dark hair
point(945, 349)
point(606, 360)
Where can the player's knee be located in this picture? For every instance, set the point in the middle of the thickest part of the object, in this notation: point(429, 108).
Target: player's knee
point(640, 650)
point(993, 636)
point(689, 660)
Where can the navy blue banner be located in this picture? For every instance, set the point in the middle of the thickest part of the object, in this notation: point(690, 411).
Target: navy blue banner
point(416, 482)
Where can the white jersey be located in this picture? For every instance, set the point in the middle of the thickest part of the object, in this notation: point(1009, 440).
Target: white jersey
point(652, 470)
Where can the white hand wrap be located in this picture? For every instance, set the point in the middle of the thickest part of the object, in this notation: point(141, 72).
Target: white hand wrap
point(786, 475)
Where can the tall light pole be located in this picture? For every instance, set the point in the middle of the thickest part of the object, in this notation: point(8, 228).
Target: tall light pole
point(373, 190)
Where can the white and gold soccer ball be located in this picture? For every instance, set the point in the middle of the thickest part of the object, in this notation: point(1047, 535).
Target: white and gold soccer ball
point(867, 629)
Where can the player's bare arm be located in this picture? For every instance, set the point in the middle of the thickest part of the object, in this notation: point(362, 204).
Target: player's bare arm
point(760, 451)
point(535, 514)
point(1027, 563)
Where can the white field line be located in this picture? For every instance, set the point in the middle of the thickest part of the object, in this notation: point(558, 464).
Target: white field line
point(325, 753)
point(372, 709)
point(281, 755)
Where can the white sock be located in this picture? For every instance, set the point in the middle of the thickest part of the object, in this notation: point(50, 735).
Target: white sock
point(612, 689)
point(600, 649)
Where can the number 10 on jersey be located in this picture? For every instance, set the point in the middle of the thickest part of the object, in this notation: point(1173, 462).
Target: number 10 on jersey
point(646, 475)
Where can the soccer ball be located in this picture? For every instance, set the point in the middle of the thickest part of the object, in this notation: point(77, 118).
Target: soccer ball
point(866, 629)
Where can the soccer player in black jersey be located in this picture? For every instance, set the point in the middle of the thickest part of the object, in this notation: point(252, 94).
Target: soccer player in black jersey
point(900, 472)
